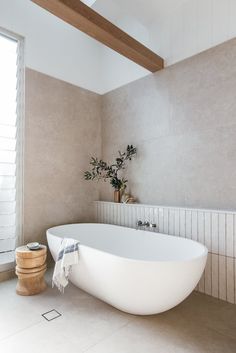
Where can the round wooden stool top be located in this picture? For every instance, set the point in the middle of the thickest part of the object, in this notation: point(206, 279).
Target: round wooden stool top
point(30, 258)
point(26, 253)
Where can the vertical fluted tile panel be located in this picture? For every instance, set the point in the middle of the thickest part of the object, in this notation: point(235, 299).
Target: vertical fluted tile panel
point(215, 229)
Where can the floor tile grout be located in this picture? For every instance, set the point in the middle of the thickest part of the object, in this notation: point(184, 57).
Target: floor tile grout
point(200, 324)
point(19, 331)
point(223, 333)
point(106, 338)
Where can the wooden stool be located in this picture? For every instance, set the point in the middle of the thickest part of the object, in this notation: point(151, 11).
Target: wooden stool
point(30, 269)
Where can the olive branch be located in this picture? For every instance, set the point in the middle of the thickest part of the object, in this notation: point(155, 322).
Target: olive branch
point(102, 170)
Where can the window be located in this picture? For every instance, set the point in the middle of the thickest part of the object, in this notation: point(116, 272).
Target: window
point(11, 128)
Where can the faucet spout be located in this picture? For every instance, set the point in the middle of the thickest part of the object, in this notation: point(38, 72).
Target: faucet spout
point(146, 224)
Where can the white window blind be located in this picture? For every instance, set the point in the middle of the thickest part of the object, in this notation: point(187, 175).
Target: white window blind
point(11, 94)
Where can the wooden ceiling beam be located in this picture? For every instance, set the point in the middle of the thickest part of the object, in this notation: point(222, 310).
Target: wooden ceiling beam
point(96, 26)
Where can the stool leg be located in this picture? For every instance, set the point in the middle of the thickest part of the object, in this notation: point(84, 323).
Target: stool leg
point(30, 285)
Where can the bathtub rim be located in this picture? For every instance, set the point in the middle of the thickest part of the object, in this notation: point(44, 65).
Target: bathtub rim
point(204, 253)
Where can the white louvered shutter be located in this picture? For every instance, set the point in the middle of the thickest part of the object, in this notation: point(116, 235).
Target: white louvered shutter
point(10, 150)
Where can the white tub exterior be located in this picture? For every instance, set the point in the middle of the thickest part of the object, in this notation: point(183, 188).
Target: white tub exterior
point(136, 271)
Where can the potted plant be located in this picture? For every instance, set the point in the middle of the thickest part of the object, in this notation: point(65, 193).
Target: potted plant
point(103, 171)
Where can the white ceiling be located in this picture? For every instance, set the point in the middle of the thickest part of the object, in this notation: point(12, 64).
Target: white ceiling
point(89, 2)
point(145, 11)
point(174, 29)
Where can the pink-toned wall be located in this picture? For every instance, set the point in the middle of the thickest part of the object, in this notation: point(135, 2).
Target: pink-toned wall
point(62, 131)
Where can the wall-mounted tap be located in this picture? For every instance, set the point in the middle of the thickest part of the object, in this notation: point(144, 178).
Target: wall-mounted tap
point(139, 224)
point(145, 224)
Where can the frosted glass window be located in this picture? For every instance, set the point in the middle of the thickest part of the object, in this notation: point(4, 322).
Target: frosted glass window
point(11, 94)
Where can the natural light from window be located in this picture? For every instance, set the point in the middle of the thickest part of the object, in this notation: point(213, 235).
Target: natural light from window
point(8, 148)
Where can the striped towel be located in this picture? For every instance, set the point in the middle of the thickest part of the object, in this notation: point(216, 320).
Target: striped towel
point(68, 255)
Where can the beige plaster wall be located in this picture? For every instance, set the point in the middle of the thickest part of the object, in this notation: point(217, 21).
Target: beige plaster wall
point(62, 131)
point(183, 122)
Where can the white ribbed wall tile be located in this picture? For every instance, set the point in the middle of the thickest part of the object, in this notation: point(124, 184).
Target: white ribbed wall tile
point(134, 215)
point(222, 277)
point(229, 235)
point(112, 215)
point(156, 215)
point(118, 209)
point(161, 220)
point(235, 280)
point(171, 222)
point(166, 220)
point(208, 276)
point(215, 229)
point(208, 231)
point(126, 217)
point(215, 275)
point(201, 230)
point(182, 226)
point(215, 233)
point(201, 238)
point(188, 224)
point(234, 236)
point(194, 225)
point(222, 223)
point(107, 212)
point(177, 223)
point(230, 279)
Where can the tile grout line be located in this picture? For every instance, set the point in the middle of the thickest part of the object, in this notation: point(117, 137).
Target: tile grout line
point(19, 331)
point(107, 337)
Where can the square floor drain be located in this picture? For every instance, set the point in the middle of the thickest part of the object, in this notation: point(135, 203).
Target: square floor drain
point(51, 315)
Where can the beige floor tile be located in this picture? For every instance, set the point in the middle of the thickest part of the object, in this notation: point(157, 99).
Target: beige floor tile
point(201, 324)
point(85, 320)
point(201, 309)
point(80, 328)
point(40, 338)
point(151, 336)
point(16, 313)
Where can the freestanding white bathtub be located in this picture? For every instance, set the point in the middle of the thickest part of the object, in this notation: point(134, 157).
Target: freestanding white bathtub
point(136, 271)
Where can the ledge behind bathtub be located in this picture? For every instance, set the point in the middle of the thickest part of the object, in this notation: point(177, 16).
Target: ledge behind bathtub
point(164, 207)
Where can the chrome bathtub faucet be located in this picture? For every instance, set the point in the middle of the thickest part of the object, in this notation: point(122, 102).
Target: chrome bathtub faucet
point(139, 224)
point(145, 224)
